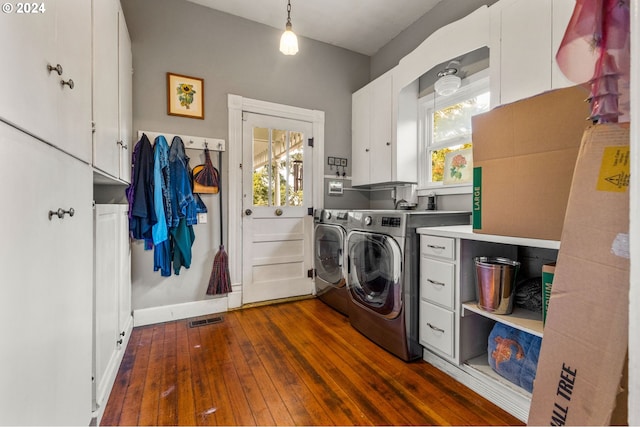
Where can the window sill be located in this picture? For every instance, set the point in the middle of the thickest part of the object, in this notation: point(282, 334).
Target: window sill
point(440, 190)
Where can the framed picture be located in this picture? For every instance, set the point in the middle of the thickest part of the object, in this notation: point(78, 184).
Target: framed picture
point(185, 96)
point(458, 167)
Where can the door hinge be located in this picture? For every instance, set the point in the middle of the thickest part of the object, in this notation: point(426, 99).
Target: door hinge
point(311, 273)
point(310, 142)
point(310, 211)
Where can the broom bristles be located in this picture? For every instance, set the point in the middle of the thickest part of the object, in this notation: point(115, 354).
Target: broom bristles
point(219, 281)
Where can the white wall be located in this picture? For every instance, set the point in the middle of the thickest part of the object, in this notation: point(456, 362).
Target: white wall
point(236, 56)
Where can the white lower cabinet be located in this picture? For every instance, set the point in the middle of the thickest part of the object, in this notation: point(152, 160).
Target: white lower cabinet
point(453, 330)
point(112, 298)
point(46, 293)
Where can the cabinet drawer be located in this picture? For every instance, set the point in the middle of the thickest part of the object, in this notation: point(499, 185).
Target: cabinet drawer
point(437, 281)
point(441, 247)
point(436, 328)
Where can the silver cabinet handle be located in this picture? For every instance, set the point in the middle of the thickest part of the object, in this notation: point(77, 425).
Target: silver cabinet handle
point(278, 212)
point(68, 83)
point(436, 247)
point(433, 282)
point(60, 213)
point(57, 68)
point(435, 328)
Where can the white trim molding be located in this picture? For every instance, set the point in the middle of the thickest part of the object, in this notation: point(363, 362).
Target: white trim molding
point(168, 313)
point(237, 105)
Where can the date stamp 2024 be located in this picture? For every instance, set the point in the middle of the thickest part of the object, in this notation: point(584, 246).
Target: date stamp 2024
point(24, 8)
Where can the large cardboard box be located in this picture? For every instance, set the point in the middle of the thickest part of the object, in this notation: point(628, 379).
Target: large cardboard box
point(580, 368)
point(524, 154)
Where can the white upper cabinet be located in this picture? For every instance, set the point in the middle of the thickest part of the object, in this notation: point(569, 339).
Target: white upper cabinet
point(112, 106)
point(383, 152)
point(525, 36)
point(125, 98)
point(47, 87)
point(371, 132)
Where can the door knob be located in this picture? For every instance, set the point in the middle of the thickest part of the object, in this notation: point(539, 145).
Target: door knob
point(248, 212)
point(278, 212)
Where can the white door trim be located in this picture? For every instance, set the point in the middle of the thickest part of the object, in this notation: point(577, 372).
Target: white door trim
point(236, 105)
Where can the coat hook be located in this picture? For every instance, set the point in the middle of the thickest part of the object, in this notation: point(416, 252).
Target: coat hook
point(206, 145)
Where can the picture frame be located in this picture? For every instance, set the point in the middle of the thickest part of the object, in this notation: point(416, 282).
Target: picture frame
point(185, 96)
point(458, 167)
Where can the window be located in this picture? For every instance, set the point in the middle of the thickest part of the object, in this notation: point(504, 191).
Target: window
point(445, 135)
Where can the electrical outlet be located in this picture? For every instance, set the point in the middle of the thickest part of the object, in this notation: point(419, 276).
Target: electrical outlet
point(331, 161)
point(202, 218)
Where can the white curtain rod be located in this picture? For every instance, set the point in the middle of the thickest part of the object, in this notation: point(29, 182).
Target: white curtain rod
point(190, 142)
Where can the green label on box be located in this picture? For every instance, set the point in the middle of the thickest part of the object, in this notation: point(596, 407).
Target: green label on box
point(547, 281)
point(477, 198)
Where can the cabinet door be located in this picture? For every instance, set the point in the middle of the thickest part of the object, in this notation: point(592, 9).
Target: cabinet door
point(106, 153)
point(380, 129)
point(34, 99)
point(525, 56)
point(360, 134)
point(124, 268)
point(125, 91)
point(74, 51)
point(27, 44)
point(46, 296)
point(106, 256)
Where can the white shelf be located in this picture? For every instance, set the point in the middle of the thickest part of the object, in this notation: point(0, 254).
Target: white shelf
point(522, 319)
point(481, 364)
point(466, 232)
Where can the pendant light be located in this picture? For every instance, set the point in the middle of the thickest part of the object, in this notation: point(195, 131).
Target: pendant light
point(448, 82)
point(288, 41)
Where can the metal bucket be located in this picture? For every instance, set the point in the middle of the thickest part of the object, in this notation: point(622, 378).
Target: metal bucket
point(495, 283)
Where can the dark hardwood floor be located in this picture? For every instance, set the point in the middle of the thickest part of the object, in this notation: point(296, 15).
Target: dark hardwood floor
point(296, 363)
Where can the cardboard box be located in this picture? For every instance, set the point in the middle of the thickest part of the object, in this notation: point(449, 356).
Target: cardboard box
point(584, 347)
point(524, 154)
point(548, 271)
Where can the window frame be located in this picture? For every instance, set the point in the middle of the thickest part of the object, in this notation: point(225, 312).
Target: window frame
point(471, 86)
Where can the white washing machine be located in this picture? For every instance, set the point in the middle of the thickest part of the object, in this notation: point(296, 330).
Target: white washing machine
point(329, 259)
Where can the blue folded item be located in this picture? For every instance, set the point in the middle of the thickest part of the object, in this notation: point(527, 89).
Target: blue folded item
point(514, 354)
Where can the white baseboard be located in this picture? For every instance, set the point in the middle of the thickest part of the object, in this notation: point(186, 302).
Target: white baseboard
point(168, 313)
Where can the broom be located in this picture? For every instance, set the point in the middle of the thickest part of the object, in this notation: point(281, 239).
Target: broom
point(219, 281)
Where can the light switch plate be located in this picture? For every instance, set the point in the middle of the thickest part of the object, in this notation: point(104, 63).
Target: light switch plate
point(202, 218)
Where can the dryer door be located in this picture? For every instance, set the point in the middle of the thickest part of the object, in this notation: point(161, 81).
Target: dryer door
point(329, 257)
point(375, 272)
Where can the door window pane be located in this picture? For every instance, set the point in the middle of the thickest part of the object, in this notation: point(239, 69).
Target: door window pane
point(278, 158)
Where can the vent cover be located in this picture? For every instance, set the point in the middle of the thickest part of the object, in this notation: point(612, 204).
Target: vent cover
point(204, 322)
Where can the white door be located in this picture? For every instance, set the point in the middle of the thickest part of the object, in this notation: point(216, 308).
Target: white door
point(277, 227)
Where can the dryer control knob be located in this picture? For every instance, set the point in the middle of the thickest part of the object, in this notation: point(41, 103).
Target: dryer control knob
point(327, 215)
point(368, 220)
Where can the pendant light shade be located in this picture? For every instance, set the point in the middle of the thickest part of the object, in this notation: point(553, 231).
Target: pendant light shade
point(448, 82)
point(289, 41)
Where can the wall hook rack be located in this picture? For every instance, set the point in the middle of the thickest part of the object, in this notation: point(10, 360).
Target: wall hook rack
point(190, 142)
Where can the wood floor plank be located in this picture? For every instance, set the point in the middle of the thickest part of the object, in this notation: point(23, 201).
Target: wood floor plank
point(298, 363)
point(151, 391)
point(353, 375)
point(133, 396)
point(186, 411)
point(204, 404)
point(272, 357)
point(168, 398)
point(115, 404)
point(277, 410)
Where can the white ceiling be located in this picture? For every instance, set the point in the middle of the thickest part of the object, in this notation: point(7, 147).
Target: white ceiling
point(362, 26)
